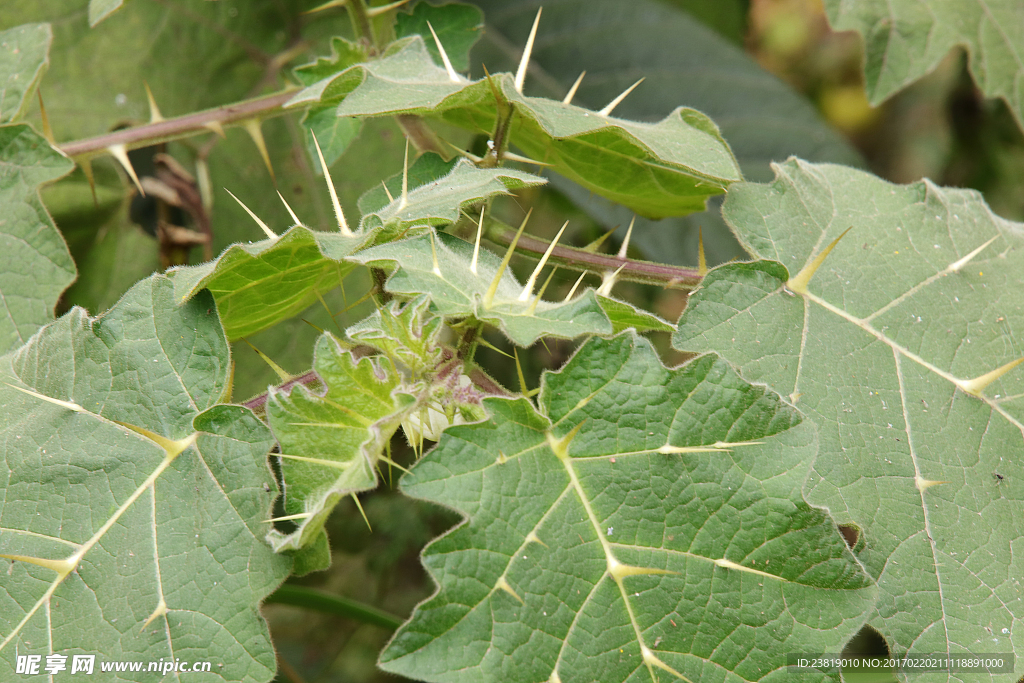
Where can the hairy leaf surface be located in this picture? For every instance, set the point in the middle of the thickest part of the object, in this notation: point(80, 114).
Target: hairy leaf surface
point(921, 296)
point(906, 39)
point(657, 169)
point(258, 285)
point(131, 504)
point(440, 265)
point(23, 61)
point(37, 265)
point(640, 517)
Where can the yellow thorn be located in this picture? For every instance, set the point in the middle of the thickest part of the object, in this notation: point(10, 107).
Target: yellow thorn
point(572, 91)
point(652, 661)
point(278, 370)
point(614, 103)
point(560, 447)
point(798, 284)
point(204, 183)
point(391, 462)
point(533, 305)
point(172, 447)
point(923, 484)
point(161, 610)
point(555, 678)
point(625, 243)
point(957, 265)
point(619, 571)
point(575, 286)
point(215, 127)
point(288, 518)
point(362, 511)
point(492, 290)
point(120, 152)
point(528, 288)
point(525, 61)
point(55, 401)
point(62, 567)
point(533, 538)
point(519, 371)
point(314, 326)
point(154, 111)
point(86, 165)
point(729, 564)
point(377, 11)
point(702, 264)
point(387, 191)
point(476, 247)
point(252, 127)
point(975, 386)
point(502, 458)
point(47, 131)
point(342, 225)
point(512, 156)
point(502, 584)
point(608, 281)
point(795, 397)
point(492, 347)
point(327, 5)
point(433, 252)
point(594, 246)
point(290, 212)
point(452, 75)
point(270, 233)
point(461, 152)
point(405, 178)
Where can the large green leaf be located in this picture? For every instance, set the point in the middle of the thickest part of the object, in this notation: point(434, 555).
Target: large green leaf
point(440, 265)
point(922, 295)
point(906, 39)
point(36, 264)
point(658, 169)
point(458, 27)
point(626, 529)
point(258, 285)
point(23, 61)
point(440, 202)
point(683, 63)
point(131, 504)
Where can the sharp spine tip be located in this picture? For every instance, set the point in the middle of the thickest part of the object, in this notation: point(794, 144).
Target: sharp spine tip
point(625, 243)
point(476, 247)
point(702, 264)
point(572, 291)
point(270, 233)
point(405, 178)
point(120, 152)
point(957, 265)
point(453, 76)
point(528, 287)
point(252, 127)
point(342, 225)
point(492, 290)
point(525, 61)
point(290, 212)
point(798, 283)
point(975, 386)
point(614, 103)
point(572, 91)
point(154, 111)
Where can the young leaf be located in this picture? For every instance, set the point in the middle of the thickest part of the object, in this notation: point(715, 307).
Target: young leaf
point(330, 444)
point(625, 315)
point(657, 169)
point(440, 265)
point(24, 57)
point(641, 517)
point(458, 28)
point(37, 265)
point(257, 285)
point(440, 202)
point(905, 40)
point(427, 168)
point(878, 348)
point(133, 504)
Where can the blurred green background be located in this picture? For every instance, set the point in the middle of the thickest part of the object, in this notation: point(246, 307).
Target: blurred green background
point(771, 74)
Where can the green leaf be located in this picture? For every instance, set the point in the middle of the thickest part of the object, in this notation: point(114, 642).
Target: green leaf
point(905, 40)
point(427, 168)
point(330, 444)
point(334, 134)
point(409, 335)
point(458, 292)
point(133, 504)
point(24, 57)
point(625, 315)
point(37, 265)
point(344, 54)
point(258, 285)
point(605, 541)
point(458, 27)
point(876, 353)
point(762, 118)
point(657, 169)
point(101, 9)
point(440, 202)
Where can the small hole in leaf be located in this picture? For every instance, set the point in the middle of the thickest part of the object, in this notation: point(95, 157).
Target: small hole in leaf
point(851, 534)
